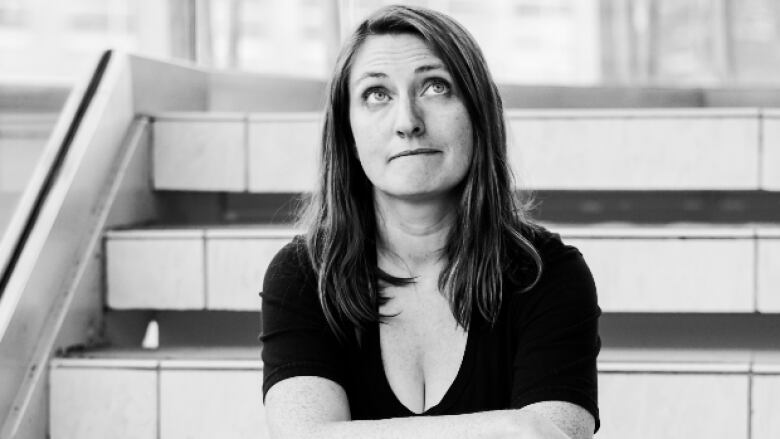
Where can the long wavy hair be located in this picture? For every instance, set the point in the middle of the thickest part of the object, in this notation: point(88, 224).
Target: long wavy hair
point(490, 235)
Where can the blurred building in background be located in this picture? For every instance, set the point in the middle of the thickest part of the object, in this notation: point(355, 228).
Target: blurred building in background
point(567, 42)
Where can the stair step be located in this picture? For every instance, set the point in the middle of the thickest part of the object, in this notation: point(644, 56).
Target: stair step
point(216, 392)
point(675, 268)
point(770, 156)
point(170, 274)
point(611, 359)
point(140, 394)
point(196, 268)
point(627, 149)
point(265, 153)
point(177, 357)
point(687, 393)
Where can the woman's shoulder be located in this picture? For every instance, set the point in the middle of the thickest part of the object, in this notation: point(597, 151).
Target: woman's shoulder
point(565, 275)
point(290, 270)
point(549, 244)
point(292, 255)
point(542, 247)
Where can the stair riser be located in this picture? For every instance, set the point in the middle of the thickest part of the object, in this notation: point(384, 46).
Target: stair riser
point(188, 274)
point(629, 150)
point(656, 273)
point(152, 403)
point(206, 403)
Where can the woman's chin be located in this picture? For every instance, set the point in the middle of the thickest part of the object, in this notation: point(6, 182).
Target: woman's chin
point(417, 194)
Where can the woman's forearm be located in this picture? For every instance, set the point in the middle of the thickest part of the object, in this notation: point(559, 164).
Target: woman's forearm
point(316, 408)
point(482, 425)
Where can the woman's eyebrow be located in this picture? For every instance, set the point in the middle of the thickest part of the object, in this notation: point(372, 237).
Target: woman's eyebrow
point(420, 69)
point(369, 75)
point(429, 67)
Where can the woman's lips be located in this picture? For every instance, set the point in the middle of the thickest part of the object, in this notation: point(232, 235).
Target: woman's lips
point(417, 151)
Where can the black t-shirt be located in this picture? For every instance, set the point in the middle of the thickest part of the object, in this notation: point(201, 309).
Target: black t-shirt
point(542, 348)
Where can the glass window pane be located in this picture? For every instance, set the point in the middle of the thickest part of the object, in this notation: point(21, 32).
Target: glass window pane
point(756, 41)
point(688, 44)
point(273, 36)
point(12, 13)
point(525, 41)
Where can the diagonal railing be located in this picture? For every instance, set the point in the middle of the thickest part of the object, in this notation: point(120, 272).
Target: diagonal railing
point(34, 196)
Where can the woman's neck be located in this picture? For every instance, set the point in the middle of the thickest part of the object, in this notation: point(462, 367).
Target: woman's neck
point(412, 234)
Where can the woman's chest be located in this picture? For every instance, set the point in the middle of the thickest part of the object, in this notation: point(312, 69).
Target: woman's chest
point(398, 372)
point(422, 347)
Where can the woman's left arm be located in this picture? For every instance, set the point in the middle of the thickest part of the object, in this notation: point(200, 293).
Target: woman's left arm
point(554, 367)
point(574, 421)
point(325, 415)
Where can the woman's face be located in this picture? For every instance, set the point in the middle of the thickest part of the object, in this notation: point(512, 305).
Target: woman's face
point(411, 128)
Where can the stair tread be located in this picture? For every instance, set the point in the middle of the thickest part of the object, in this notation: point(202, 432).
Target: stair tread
point(604, 230)
point(510, 113)
point(199, 231)
point(207, 116)
point(212, 357)
point(671, 360)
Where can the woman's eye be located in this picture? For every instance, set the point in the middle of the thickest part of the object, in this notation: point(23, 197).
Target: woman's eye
point(439, 87)
point(375, 95)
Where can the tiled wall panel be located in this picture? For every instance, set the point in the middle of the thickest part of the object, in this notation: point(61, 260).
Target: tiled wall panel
point(156, 273)
point(283, 154)
point(671, 275)
point(635, 151)
point(236, 268)
point(211, 403)
point(770, 160)
point(768, 300)
point(673, 406)
point(200, 155)
point(95, 403)
point(766, 406)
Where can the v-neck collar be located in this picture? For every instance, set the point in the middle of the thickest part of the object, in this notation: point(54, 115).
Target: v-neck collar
point(453, 392)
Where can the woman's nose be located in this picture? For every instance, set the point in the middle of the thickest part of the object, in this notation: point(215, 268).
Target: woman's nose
point(408, 120)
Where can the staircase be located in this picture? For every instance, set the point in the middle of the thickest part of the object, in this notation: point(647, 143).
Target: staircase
point(657, 268)
point(674, 209)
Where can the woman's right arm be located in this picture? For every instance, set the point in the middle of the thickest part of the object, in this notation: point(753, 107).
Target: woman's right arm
point(308, 407)
point(296, 406)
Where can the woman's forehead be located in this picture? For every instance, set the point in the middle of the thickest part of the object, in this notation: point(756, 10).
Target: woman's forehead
point(380, 55)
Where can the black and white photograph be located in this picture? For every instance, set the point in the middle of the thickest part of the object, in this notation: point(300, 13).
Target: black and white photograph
point(389, 219)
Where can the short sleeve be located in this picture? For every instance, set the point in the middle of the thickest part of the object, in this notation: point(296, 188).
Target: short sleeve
point(557, 335)
point(296, 338)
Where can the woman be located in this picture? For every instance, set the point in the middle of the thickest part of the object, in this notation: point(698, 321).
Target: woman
point(420, 287)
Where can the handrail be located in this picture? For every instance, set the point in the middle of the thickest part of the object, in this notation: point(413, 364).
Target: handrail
point(51, 295)
point(34, 196)
point(52, 298)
